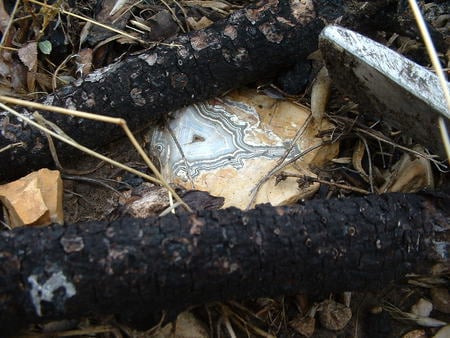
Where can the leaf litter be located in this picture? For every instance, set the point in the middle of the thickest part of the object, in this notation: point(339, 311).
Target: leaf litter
point(46, 46)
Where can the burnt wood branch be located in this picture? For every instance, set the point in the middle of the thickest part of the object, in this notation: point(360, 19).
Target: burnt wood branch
point(254, 43)
point(139, 268)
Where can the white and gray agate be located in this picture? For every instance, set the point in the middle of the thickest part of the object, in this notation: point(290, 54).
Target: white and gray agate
point(225, 146)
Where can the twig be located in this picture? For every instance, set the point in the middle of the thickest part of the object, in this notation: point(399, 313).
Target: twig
point(312, 179)
point(255, 190)
point(437, 67)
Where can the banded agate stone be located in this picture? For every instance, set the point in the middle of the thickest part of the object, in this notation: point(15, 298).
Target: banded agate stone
point(226, 145)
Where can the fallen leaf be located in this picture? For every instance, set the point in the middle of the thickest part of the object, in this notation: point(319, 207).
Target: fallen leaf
point(410, 174)
point(441, 299)
point(28, 55)
point(45, 47)
point(199, 24)
point(305, 325)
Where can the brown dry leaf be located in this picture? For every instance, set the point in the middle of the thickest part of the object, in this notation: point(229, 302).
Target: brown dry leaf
point(199, 24)
point(217, 6)
point(161, 26)
point(334, 316)
point(84, 61)
point(305, 325)
point(35, 199)
point(28, 55)
point(44, 80)
point(415, 334)
point(147, 200)
point(358, 154)
point(31, 81)
point(441, 299)
point(409, 174)
point(18, 76)
point(4, 17)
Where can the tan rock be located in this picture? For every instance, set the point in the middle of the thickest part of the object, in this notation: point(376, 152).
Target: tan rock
point(35, 199)
point(422, 308)
point(334, 316)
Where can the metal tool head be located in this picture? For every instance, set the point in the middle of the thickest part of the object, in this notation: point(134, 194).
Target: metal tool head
point(386, 84)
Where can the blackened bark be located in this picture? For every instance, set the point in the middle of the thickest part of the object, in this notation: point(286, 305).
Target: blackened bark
point(253, 43)
point(138, 268)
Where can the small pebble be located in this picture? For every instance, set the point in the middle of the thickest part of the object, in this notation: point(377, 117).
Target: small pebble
point(334, 316)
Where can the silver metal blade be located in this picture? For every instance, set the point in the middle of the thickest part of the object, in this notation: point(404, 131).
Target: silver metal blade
point(386, 84)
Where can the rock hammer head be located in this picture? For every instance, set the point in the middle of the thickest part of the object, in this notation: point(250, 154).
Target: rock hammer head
point(386, 84)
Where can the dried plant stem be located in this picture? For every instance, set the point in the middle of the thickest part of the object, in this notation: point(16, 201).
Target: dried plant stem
point(277, 168)
point(62, 64)
point(118, 121)
point(382, 138)
point(332, 184)
point(437, 67)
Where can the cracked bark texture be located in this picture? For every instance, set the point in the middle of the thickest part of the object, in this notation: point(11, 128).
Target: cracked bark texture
point(254, 43)
point(138, 268)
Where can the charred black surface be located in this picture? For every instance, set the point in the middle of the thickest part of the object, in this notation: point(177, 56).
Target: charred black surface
point(139, 268)
point(253, 43)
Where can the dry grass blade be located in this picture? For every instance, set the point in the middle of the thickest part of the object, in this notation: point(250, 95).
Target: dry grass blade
point(8, 27)
point(12, 145)
point(118, 121)
point(381, 138)
point(420, 320)
point(91, 21)
point(229, 315)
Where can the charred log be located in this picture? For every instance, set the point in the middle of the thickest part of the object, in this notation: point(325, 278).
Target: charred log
point(138, 268)
point(255, 43)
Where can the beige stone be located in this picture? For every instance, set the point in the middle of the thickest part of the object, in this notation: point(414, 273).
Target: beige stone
point(186, 326)
point(35, 199)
